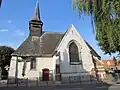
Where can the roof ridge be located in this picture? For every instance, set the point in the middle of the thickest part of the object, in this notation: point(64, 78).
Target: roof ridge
point(54, 32)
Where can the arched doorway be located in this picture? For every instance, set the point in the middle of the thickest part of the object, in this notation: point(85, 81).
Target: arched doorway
point(45, 74)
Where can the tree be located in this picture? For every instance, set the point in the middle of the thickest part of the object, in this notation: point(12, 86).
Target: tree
point(115, 61)
point(105, 17)
point(5, 57)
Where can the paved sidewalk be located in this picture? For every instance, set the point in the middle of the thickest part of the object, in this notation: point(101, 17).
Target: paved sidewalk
point(44, 84)
point(111, 82)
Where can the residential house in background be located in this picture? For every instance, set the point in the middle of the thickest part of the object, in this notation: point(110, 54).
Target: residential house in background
point(52, 55)
point(100, 69)
point(110, 64)
point(98, 65)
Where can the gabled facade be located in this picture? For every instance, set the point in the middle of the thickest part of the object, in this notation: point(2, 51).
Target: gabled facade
point(51, 55)
point(99, 68)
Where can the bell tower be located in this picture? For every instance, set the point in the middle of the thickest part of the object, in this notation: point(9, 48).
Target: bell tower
point(35, 24)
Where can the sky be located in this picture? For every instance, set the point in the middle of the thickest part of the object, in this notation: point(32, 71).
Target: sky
point(57, 16)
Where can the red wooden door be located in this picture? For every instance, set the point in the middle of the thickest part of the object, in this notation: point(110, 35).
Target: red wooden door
point(45, 74)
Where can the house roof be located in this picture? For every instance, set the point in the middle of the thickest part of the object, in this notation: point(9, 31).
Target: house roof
point(108, 62)
point(41, 46)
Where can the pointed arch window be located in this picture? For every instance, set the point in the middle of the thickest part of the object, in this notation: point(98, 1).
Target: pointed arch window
point(74, 54)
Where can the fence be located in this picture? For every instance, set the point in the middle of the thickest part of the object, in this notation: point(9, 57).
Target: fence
point(83, 79)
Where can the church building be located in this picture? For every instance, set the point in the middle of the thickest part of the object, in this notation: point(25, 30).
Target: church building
point(51, 55)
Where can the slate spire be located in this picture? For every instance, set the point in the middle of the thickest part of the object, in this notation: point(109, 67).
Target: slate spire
point(36, 14)
point(35, 24)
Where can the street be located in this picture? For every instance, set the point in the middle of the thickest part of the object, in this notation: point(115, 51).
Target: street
point(68, 87)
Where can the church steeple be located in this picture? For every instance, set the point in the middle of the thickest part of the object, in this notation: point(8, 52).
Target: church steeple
point(36, 15)
point(35, 24)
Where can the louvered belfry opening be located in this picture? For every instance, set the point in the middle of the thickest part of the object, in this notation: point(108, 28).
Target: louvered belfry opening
point(35, 24)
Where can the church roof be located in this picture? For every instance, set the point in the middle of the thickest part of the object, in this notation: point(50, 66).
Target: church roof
point(92, 50)
point(42, 46)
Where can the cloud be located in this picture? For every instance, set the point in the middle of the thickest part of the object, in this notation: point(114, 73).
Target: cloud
point(4, 30)
point(9, 21)
point(18, 32)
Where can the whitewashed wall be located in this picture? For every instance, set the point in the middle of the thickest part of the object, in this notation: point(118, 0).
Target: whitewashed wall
point(12, 69)
point(45, 63)
point(72, 34)
point(48, 62)
point(41, 63)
